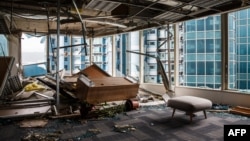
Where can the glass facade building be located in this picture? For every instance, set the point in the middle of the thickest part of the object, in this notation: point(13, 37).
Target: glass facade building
point(3, 46)
point(73, 59)
point(202, 52)
point(242, 50)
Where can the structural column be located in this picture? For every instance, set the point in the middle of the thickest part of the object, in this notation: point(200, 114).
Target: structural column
point(141, 59)
point(224, 51)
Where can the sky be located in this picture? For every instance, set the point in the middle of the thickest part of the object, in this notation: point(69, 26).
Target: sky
point(32, 44)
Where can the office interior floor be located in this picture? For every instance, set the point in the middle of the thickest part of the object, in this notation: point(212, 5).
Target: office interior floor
point(147, 123)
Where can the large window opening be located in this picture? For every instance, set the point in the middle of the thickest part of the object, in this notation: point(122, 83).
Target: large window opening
point(33, 49)
point(4, 50)
point(202, 53)
point(239, 50)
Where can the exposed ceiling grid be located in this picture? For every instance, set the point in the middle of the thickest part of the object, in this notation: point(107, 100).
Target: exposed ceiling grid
point(114, 16)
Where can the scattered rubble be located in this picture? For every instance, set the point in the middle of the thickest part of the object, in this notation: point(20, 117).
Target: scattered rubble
point(33, 123)
point(124, 128)
point(55, 136)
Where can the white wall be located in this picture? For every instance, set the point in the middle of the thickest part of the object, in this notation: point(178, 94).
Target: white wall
point(14, 49)
point(216, 96)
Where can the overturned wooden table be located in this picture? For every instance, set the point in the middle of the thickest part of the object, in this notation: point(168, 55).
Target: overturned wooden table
point(95, 86)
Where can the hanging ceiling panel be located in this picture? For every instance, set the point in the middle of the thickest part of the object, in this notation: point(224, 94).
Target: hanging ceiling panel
point(102, 5)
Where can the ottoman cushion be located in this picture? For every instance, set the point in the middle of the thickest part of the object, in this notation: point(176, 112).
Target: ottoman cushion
point(189, 103)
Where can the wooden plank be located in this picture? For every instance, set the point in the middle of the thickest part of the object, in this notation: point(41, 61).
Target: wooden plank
point(94, 71)
point(28, 111)
point(110, 81)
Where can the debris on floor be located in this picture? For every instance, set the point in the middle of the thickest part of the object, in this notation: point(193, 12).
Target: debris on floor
point(92, 132)
point(108, 110)
point(245, 111)
point(220, 108)
point(124, 128)
point(33, 123)
point(42, 136)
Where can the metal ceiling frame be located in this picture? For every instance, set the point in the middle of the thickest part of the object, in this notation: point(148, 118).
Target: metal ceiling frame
point(106, 17)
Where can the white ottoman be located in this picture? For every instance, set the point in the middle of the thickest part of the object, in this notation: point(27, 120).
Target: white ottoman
point(189, 104)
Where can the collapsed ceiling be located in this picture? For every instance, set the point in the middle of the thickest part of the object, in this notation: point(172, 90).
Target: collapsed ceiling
point(104, 17)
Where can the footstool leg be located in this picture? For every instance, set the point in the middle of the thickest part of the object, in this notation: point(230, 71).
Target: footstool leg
point(204, 111)
point(173, 112)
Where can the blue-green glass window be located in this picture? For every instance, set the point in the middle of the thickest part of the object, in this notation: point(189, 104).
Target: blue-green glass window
point(190, 25)
point(248, 84)
point(209, 56)
point(243, 49)
point(210, 68)
point(191, 68)
point(209, 45)
point(201, 79)
point(217, 45)
point(248, 67)
point(242, 22)
point(242, 31)
point(242, 58)
point(242, 14)
point(209, 79)
point(191, 84)
point(217, 23)
point(248, 49)
point(191, 57)
point(231, 24)
point(191, 46)
point(201, 57)
point(231, 46)
point(191, 35)
point(217, 68)
point(217, 56)
point(231, 68)
point(217, 34)
point(231, 57)
point(242, 84)
point(242, 67)
point(200, 25)
point(242, 76)
point(200, 68)
point(242, 40)
point(209, 23)
point(200, 35)
point(200, 46)
point(3, 46)
point(209, 34)
point(191, 79)
point(218, 80)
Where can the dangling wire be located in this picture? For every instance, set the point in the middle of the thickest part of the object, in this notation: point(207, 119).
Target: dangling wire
point(11, 15)
point(53, 56)
point(83, 28)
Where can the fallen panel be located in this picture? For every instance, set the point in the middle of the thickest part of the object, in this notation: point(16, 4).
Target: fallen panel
point(245, 111)
point(33, 123)
point(30, 111)
point(94, 71)
point(6, 64)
